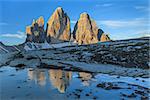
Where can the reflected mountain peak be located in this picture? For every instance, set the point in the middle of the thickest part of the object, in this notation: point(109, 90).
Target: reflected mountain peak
point(38, 75)
point(60, 79)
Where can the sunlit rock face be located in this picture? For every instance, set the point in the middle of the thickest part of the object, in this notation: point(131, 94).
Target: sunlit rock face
point(60, 79)
point(58, 30)
point(35, 32)
point(86, 30)
point(58, 25)
point(29, 34)
point(102, 37)
point(40, 21)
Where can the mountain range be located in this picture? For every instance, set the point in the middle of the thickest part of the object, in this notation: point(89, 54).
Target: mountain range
point(58, 29)
point(58, 46)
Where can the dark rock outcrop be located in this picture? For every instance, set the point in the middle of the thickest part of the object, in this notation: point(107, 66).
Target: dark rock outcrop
point(35, 32)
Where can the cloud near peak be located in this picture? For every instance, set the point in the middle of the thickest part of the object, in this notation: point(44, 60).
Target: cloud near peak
point(142, 8)
point(137, 22)
point(73, 21)
point(3, 24)
point(104, 5)
point(19, 35)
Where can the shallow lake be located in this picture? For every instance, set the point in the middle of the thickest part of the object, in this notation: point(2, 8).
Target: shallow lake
point(57, 84)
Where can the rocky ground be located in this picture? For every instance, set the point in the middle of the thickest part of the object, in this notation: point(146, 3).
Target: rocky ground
point(116, 57)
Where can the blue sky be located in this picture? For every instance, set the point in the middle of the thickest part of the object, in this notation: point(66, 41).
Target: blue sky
point(121, 19)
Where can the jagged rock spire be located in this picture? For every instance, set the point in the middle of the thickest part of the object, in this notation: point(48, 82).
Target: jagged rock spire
point(40, 21)
point(58, 25)
point(58, 28)
point(86, 30)
point(35, 32)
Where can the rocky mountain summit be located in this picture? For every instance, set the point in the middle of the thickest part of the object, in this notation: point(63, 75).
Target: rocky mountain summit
point(35, 32)
point(58, 29)
point(87, 32)
point(58, 25)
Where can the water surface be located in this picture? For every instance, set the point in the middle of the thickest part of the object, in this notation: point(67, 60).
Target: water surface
point(57, 84)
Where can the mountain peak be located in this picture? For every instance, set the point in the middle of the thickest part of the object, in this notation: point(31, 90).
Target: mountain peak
point(84, 14)
point(40, 21)
point(58, 25)
point(35, 32)
point(59, 8)
point(59, 11)
point(87, 32)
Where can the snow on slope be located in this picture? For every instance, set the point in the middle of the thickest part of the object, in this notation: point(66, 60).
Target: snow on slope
point(37, 46)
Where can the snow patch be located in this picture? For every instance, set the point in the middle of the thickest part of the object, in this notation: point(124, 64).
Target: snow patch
point(37, 46)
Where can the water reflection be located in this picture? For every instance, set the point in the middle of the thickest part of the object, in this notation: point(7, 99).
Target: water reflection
point(58, 78)
point(38, 75)
point(85, 77)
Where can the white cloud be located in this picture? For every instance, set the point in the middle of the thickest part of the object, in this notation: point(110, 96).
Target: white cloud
point(142, 8)
point(144, 33)
point(19, 35)
point(3, 23)
point(129, 34)
point(138, 22)
point(107, 5)
point(124, 29)
point(104, 5)
point(73, 22)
